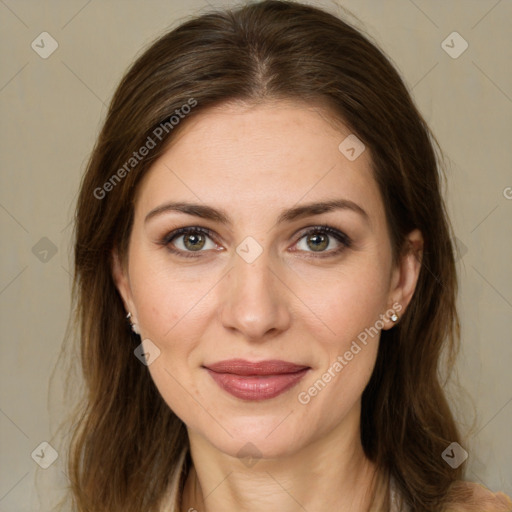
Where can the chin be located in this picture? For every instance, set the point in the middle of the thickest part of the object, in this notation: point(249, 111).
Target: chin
point(256, 437)
point(258, 445)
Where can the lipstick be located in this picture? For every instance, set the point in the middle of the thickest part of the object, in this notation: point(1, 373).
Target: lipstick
point(256, 380)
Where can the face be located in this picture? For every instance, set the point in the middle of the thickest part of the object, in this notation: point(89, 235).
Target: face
point(230, 259)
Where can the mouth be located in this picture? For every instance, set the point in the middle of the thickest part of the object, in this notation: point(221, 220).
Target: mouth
point(261, 380)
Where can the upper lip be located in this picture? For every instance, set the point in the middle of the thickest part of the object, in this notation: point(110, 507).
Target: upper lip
point(246, 368)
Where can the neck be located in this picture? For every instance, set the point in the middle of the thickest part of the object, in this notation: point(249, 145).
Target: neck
point(331, 473)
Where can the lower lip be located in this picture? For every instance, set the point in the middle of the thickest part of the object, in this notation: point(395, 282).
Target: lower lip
point(255, 387)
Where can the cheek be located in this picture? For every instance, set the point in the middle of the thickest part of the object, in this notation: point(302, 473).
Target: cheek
point(349, 306)
point(333, 395)
point(165, 300)
point(171, 313)
point(346, 362)
point(345, 302)
point(173, 310)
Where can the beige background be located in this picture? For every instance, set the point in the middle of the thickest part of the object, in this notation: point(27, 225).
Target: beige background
point(51, 111)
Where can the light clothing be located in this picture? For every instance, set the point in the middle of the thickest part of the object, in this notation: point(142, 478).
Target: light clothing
point(499, 501)
point(172, 503)
point(394, 499)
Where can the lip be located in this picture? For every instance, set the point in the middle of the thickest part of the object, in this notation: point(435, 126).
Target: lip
point(256, 380)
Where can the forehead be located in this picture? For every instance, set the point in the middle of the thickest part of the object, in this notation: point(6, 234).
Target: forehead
point(258, 158)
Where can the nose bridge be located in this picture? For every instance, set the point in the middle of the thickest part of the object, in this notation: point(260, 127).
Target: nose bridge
point(254, 301)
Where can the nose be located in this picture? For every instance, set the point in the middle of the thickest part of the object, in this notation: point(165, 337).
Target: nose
point(254, 300)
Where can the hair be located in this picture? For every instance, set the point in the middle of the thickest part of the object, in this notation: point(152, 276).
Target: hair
point(126, 440)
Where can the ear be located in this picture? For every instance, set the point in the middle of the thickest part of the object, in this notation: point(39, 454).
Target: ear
point(122, 282)
point(404, 276)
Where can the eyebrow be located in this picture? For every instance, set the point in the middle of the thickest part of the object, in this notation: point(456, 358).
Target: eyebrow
point(295, 213)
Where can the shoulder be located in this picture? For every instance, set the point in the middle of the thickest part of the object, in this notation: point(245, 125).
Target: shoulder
point(473, 497)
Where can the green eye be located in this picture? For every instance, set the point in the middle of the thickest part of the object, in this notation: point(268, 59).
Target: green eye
point(320, 238)
point(186, 241)
point(193, 242)
point(317, 241)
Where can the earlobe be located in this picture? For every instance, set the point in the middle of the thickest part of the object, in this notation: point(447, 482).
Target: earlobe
point(134, 326)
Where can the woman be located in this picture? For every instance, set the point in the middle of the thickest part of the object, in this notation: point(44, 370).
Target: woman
point(265, 281)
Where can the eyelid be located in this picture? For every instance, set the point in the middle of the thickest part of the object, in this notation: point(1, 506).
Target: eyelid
point(340, 237)
point(167, 240)
point(175, 233)
point(326, 228)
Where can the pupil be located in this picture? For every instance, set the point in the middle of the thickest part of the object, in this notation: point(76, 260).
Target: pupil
point(319, 241)
point(194, 242)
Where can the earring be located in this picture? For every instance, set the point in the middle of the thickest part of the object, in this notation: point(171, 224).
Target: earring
point(135, 327)
point(394, 317)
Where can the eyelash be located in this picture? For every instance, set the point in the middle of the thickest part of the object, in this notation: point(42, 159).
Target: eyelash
point(341, 237)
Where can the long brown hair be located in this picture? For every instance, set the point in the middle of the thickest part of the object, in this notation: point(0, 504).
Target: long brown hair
point(126, 440)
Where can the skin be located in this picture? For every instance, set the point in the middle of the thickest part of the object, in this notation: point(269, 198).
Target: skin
point(290, 303)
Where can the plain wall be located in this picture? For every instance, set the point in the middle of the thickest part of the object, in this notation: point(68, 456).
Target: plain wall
point(52, 110)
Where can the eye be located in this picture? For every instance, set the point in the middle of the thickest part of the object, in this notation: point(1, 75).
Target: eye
point(189, 240)
point(324, 240)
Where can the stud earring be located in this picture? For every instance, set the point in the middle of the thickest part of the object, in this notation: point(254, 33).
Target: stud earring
point(135, 327)
point(394, 317)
